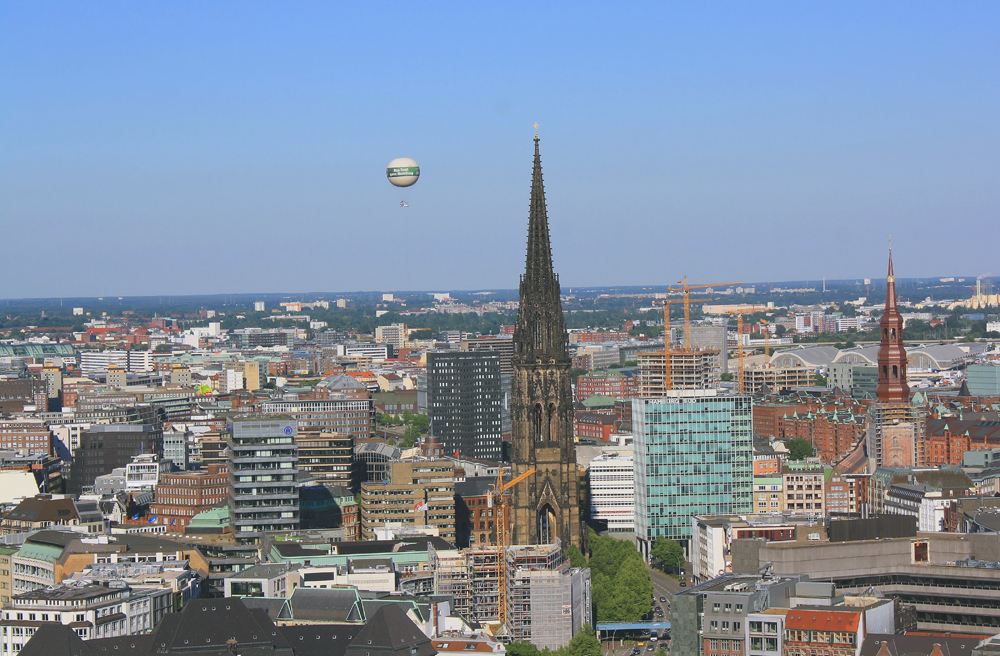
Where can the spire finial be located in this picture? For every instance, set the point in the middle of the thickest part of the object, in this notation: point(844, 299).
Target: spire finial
point(536, 129)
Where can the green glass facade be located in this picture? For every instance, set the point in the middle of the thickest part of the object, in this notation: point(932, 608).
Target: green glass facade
point(693, 456)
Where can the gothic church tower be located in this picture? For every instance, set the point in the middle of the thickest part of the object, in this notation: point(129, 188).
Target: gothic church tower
point(545, 506)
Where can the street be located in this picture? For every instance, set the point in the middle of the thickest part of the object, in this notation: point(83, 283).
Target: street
point(663, 586)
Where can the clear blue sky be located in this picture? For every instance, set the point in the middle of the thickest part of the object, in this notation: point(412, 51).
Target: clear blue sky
point(175, 148)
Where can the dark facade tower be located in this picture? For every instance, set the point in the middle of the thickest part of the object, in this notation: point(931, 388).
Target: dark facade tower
point(892, 385)
point(545, 506)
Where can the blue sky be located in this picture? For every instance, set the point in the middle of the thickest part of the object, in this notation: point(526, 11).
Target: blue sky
point(176, 148)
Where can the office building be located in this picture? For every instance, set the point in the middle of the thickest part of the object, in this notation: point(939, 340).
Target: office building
point(91, 610)
point(464, 399)
point(983, 379)
point(262, 457)
point(343, 415)
point(328, 456)
point(414, 493)
point(26, 436)
point(104, 447)
point(176, 448)
point(181, 496)
point(693, 455)
point(612, 492)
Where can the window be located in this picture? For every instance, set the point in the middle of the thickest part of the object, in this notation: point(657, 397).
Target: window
point(715, 608)
point(729, 608)
point(713, 644)
point(739, 608)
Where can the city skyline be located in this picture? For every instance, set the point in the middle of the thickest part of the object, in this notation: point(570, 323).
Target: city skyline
point(766, 143)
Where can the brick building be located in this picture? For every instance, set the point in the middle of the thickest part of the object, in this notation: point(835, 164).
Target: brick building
point(179, 497)
point(594, 426)
point(27, 436)
point(833, 434)
point(815, 631)
point(617, 385)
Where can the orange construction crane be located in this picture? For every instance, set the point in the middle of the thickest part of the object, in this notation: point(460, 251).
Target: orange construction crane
point(497, 496)
point(739, 312)
point(686, 289)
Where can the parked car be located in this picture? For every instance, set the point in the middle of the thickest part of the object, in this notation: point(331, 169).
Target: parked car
point(663, 600)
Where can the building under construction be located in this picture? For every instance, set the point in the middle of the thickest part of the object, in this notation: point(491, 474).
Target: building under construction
point(895, 434)
point(694, 369)
point(547, 601)
point(776, 378)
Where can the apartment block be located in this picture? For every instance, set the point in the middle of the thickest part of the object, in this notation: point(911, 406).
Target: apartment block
point(26, 436)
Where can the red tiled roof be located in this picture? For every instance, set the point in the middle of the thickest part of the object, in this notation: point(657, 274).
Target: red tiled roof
point(816, 619)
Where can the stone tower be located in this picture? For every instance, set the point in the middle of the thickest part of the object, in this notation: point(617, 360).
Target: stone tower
point(892, 385)
point(545, 506)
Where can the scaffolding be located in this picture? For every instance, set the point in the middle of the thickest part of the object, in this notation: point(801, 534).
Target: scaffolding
point(536, 578)
point(451, 577)
point(896, 435)
point(484, 588)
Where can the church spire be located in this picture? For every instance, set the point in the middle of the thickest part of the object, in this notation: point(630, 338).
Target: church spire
point(541, 329)
point(892, 385)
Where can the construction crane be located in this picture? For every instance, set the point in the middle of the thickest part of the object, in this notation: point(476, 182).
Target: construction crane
point(739, 312)
point(668, 379)
point(767, 339)
point(496, 496)
point(685, 288)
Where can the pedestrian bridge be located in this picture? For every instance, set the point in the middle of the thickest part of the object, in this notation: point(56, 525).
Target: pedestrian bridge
point(632, 626)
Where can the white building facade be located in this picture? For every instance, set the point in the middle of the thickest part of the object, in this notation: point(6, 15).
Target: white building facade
point(612, 491)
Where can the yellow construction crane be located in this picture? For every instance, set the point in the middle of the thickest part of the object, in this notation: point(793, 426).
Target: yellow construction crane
point(668, 379)
point(686, 299)
point(767, 340)
point(739, 312)
point(497, 497)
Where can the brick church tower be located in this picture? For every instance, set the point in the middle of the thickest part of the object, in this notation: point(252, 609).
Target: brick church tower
point(892, 385)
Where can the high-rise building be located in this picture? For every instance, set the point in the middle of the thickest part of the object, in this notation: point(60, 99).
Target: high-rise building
point(394, 334)
point(329, 456)
point(104, 447)
point(175, 448)
point(545, 507)
point(693, 452)
point(262, 457)
point(464, 402)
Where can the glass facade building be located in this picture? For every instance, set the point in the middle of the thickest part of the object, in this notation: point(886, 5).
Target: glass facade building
point(263, 457)
point(693, 456)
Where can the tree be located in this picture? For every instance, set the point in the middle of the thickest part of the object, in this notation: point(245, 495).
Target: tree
point(668, 552)
point(575, 556)
point(522, 649)
point(163, 348)
point(799, 449)
point(619, 580)
point(584, 643)
point(726, 377)
point(820, 380)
